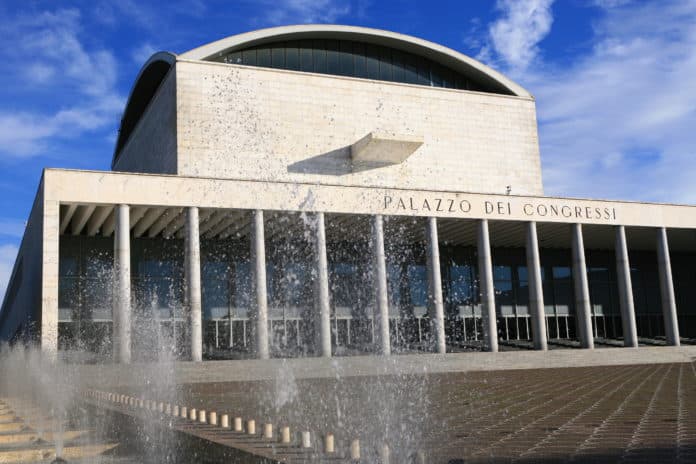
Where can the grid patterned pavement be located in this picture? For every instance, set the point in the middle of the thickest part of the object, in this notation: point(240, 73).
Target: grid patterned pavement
point(641, 413)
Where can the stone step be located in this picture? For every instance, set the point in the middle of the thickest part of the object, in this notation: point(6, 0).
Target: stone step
point(48, 452)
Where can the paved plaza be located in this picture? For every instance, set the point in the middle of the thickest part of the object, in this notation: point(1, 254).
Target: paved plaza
point(641, 413)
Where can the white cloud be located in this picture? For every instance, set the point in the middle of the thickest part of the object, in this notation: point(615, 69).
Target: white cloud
point(8, 253)
point(619, 122)
point(61, 63)
point(304, 11)
point(514, 38)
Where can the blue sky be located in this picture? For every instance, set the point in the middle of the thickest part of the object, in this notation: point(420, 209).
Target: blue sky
point(614, 80)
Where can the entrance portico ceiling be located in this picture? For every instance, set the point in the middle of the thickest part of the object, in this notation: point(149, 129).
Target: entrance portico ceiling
point(168, 222)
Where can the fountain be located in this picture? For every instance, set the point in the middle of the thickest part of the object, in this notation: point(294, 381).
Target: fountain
point(154, 408)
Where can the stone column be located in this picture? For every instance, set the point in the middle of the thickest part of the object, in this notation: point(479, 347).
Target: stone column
point(193, 282)
point(623, 274)
point(536, 292)
point(669, 305)
point(49, 281)
point(322, 288)
point(258, 262)
point(486, 286)
point(122, 292)
point(435, 284)
point(582, 291)
point(380, 278)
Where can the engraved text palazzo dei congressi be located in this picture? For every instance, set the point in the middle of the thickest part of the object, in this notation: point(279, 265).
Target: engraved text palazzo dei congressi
point(515, 208)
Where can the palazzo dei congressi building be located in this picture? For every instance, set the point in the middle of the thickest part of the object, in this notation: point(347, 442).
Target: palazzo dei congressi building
point(332, 190)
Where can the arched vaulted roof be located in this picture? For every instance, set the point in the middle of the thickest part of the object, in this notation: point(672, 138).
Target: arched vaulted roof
point(153, 72)
point(432, 51)
point(146, 84)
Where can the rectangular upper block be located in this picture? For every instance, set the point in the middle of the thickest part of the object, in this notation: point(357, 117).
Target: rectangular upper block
point(252, 123)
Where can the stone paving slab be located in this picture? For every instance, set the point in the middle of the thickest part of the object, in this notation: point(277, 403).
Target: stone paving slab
point(628, 413)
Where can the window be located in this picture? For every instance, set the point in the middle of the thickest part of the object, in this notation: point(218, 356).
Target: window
point(354, 59)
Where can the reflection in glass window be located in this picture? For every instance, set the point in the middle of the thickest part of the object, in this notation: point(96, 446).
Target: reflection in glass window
point(418, 284)
point(355, 59)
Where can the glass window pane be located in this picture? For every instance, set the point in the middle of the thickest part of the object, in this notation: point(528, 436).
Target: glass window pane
point(234, 58)
point(385, 65)
point(436, 75)
point(561, 272)
point(410, 69)
point(292, 57)
point(320, 56)
point(418, 285)
point(398, 66)
point(359, 60)
point(460, 285)
point(68, 293)
point(502, 272)
point(598, 274)
point(372, 61)
point(97, 294)
point(346, 58)
point(522, 274)
point(306, 56)
point(423, 71)
point(249, 57)
point(69, 265)
point(600, 298)
point(447, 78)
point(278, 56)
point(263, 57)
point(394, 284)
point(332, 61)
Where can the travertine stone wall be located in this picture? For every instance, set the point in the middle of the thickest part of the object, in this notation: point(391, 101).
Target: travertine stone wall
point(84, 187)
point(26, 290)
point(151, 148)
point(275, 125)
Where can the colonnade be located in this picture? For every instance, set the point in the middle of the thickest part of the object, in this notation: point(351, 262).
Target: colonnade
point(122, 297)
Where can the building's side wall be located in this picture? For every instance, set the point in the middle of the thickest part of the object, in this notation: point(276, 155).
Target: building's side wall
point(20, 316)
point(266, 124)
point(151, 147)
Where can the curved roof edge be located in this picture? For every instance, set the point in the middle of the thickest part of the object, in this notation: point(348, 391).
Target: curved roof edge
point(144, 88)
point(438, 53)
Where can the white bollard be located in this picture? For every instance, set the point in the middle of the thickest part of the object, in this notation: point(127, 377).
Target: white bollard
point(160, 407)
point(202, 417)
point(268, 431)
point(193, 414)
point(355, 450)
point(306, 440)
point(225, 422)
point(168, 409)
point(184, 412)
point(329, 446)
point(251, 427)
point(384, 454)
point(213, 418)
point(175, 410)
point(238, 424)
point(285, 434)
